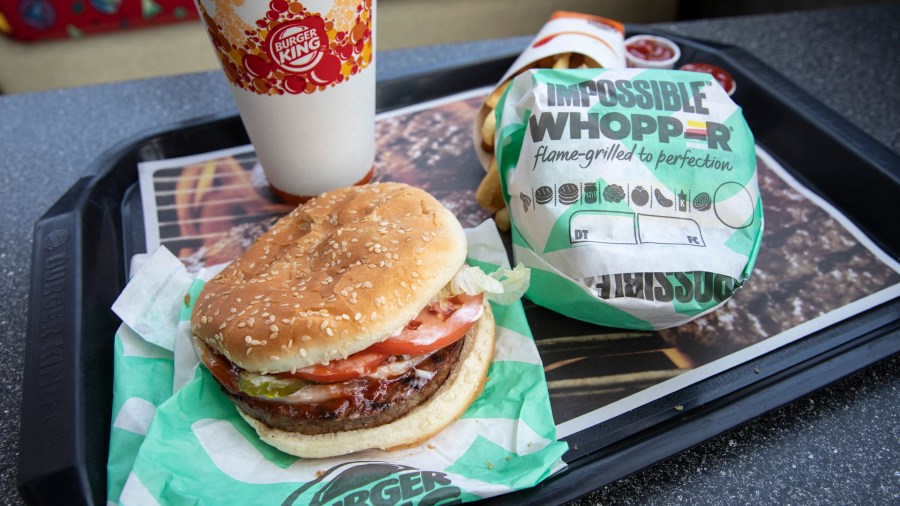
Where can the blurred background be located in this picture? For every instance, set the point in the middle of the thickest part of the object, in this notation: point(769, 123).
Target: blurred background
point(49, 44)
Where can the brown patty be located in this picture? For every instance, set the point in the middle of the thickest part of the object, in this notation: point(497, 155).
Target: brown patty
point(381, 402)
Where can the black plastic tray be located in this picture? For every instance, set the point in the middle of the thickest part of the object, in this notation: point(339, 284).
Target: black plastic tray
point(83, 242)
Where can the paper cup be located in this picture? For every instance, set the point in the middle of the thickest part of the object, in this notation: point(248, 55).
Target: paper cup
point(303, 77)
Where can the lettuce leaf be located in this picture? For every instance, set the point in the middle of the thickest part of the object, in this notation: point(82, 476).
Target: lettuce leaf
point(503, 286)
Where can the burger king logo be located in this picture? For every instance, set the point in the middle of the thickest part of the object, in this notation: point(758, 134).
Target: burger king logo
point(298, 46)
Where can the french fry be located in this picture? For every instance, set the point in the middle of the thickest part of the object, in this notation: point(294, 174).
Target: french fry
point(488, 195)
point(562, 61)
point(494, 97)
point(487, 130)
point(501, 218)
point(546, 62)
point(592, 63)
point(576, 60)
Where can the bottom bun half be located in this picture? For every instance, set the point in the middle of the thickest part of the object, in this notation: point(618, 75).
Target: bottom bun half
point(448, 403)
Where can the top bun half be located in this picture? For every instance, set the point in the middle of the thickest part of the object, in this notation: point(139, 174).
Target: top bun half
point(336, 275)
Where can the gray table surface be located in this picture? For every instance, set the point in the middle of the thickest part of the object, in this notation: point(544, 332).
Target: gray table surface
point(839, 445)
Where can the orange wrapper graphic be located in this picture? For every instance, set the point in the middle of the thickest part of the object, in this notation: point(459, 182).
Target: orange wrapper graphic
point(291, 49)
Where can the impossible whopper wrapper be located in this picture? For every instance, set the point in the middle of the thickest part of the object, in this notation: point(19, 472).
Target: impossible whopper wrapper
point(632, 193)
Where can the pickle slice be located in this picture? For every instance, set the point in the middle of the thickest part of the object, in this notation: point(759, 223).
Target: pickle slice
point(259, 385)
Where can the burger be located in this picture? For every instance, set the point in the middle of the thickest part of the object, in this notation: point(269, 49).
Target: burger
point(350, 324)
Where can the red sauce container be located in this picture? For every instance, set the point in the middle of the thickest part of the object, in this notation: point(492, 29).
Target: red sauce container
point(652, 52)
point(719, 73)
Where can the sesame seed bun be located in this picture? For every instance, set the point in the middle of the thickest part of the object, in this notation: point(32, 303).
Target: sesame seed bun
point(448, 403)
point(336, 275)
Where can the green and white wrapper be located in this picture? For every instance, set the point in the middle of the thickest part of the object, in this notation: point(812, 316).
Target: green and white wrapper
point(176, 439)
point(632, 193)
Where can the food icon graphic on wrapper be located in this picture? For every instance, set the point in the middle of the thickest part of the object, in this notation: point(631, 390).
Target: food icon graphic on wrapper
point(568, 193)
point(640, 196)
point(662, 199)
point(543, 195)
point(613, 193)
point(590, 193)
point(702, 202)
point(302, 76)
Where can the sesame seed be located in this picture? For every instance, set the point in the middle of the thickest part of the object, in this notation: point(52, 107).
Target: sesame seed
point(329, 331)
point(241, 325)
point(222, 326)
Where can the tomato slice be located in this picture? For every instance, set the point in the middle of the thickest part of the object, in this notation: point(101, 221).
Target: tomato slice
point(437, 326)
point(221, 369)
point(355, 366)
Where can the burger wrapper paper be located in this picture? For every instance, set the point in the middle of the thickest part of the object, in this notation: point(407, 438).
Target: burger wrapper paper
point(176, 439)
point(632, 193)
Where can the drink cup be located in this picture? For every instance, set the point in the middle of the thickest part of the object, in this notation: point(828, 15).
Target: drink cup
point(302, 74)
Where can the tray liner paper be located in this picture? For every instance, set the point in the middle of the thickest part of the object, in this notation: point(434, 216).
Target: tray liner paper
point(176, 439)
